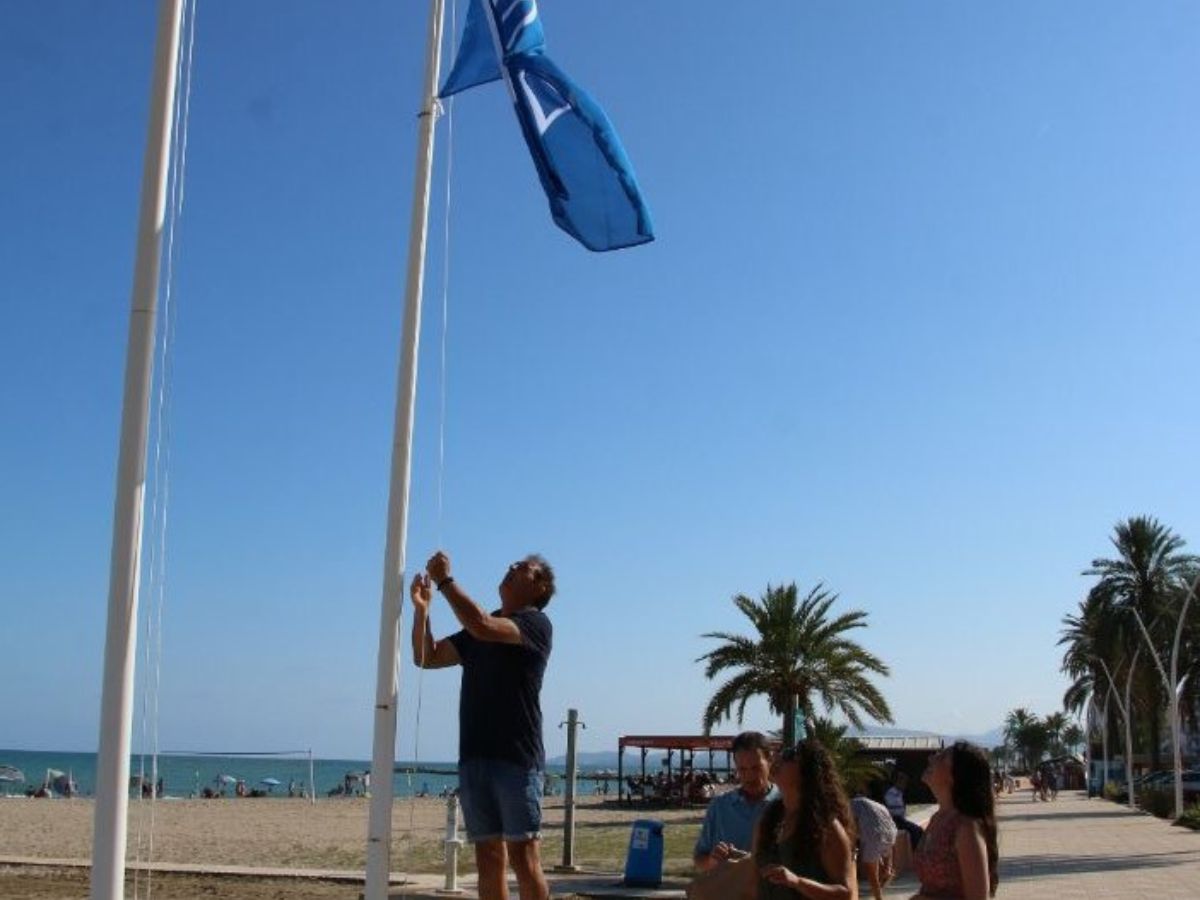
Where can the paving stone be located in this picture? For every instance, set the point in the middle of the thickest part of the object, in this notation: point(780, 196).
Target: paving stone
point(1073, 848)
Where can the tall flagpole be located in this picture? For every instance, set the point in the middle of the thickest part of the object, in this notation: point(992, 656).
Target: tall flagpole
point(120, 646)
point(383, 757)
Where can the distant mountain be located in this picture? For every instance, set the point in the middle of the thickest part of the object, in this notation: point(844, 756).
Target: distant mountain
point(882, 731)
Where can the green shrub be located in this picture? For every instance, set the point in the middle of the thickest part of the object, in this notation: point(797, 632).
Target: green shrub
point(1190, 818)
point(1157, 802)
point(1113, 791)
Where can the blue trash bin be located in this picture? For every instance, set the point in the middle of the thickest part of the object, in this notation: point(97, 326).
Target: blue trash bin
point(644, 862)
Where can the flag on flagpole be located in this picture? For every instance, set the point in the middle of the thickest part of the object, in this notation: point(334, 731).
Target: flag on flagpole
point(587, 177)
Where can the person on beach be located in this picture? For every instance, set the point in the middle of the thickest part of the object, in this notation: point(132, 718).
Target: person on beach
point(893, 798)
point(804, 844)
point(876, 836)
point(501, 759)
point(1050, 783)
point(728, 829)
point(958, 858)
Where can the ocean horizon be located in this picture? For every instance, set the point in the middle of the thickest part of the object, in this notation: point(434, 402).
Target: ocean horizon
point(187, 775)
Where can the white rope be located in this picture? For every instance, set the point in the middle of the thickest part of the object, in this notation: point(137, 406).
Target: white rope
point(441, 458)
point(441, 468)
point(156, 581)
point(162, 448)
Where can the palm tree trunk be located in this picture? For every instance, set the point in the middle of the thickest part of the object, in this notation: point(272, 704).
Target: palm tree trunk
point(1104, 739)
point(1129, 732)
point(789, 721)
point(1155, 737)
point(1173, 687)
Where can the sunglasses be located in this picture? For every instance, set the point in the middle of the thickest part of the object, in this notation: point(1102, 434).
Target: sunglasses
point(526, 566)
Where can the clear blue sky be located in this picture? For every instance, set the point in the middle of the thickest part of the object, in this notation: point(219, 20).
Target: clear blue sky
point(920, 323)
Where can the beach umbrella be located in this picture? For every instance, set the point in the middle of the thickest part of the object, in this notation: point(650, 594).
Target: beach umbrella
point(11, 773)
point(227, 779)
point(271, 782)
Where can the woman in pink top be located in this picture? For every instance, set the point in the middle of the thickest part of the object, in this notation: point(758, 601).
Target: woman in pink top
point(957, 858)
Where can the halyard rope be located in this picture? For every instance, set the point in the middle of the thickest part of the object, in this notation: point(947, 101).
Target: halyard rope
point(157, 526)
point(156, 578)
point(441, 449)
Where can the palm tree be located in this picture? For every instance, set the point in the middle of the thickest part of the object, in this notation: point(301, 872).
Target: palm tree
point(1149, 570)
point(1072, 737)
point(1088, 637)
point(1099, 659)
point(1017, 720)
point(799, 653)
point(1094, 658)
point(1055, 724)
point(1146, 581)
point(1001, 757)
point(1028, 736)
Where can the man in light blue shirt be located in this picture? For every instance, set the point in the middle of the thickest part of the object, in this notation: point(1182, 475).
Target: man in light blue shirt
point(728, 830)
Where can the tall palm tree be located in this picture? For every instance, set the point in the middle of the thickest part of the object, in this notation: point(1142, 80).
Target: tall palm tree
point(1072, 737)
point(1026, 733)
point(1149, 568)
point(1055, 724)
point(1088, 637)
point(999, 757)
point(1146, 581)
point(1189, 657)
point(799, 653)
point(1098, 658)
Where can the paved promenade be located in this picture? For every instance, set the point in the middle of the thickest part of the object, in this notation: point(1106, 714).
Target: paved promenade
point(1074, 848)
point(1068, 849)
point(1064, 850)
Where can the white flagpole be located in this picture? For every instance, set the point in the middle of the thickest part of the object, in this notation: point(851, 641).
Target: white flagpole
point(120, 646)
point(383, 758)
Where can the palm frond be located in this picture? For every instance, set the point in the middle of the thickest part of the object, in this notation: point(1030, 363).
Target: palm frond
point(799, 649)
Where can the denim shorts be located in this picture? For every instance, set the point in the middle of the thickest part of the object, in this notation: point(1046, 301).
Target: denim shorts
point(500, 800)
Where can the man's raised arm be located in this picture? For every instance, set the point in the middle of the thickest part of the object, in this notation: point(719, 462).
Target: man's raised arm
point(428, 653)
point(479, 624)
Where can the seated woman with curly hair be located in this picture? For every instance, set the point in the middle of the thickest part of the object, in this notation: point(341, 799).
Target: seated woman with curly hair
point(957, 857)
point(805, 840)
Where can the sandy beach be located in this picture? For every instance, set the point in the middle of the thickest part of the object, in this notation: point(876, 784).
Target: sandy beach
point(330, 835)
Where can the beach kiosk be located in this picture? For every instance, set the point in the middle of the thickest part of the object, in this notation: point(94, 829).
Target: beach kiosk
point(685, 745)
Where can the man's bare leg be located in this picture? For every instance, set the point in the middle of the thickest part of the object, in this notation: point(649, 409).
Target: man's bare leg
point(527, 863)
point(491, 862)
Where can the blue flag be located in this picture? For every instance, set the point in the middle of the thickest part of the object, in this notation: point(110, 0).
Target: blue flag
point(583, 168)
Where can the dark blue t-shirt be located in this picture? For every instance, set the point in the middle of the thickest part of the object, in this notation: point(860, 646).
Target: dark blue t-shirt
point(499, 708)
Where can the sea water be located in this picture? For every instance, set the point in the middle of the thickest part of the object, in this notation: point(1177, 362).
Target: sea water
point(188, 776)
